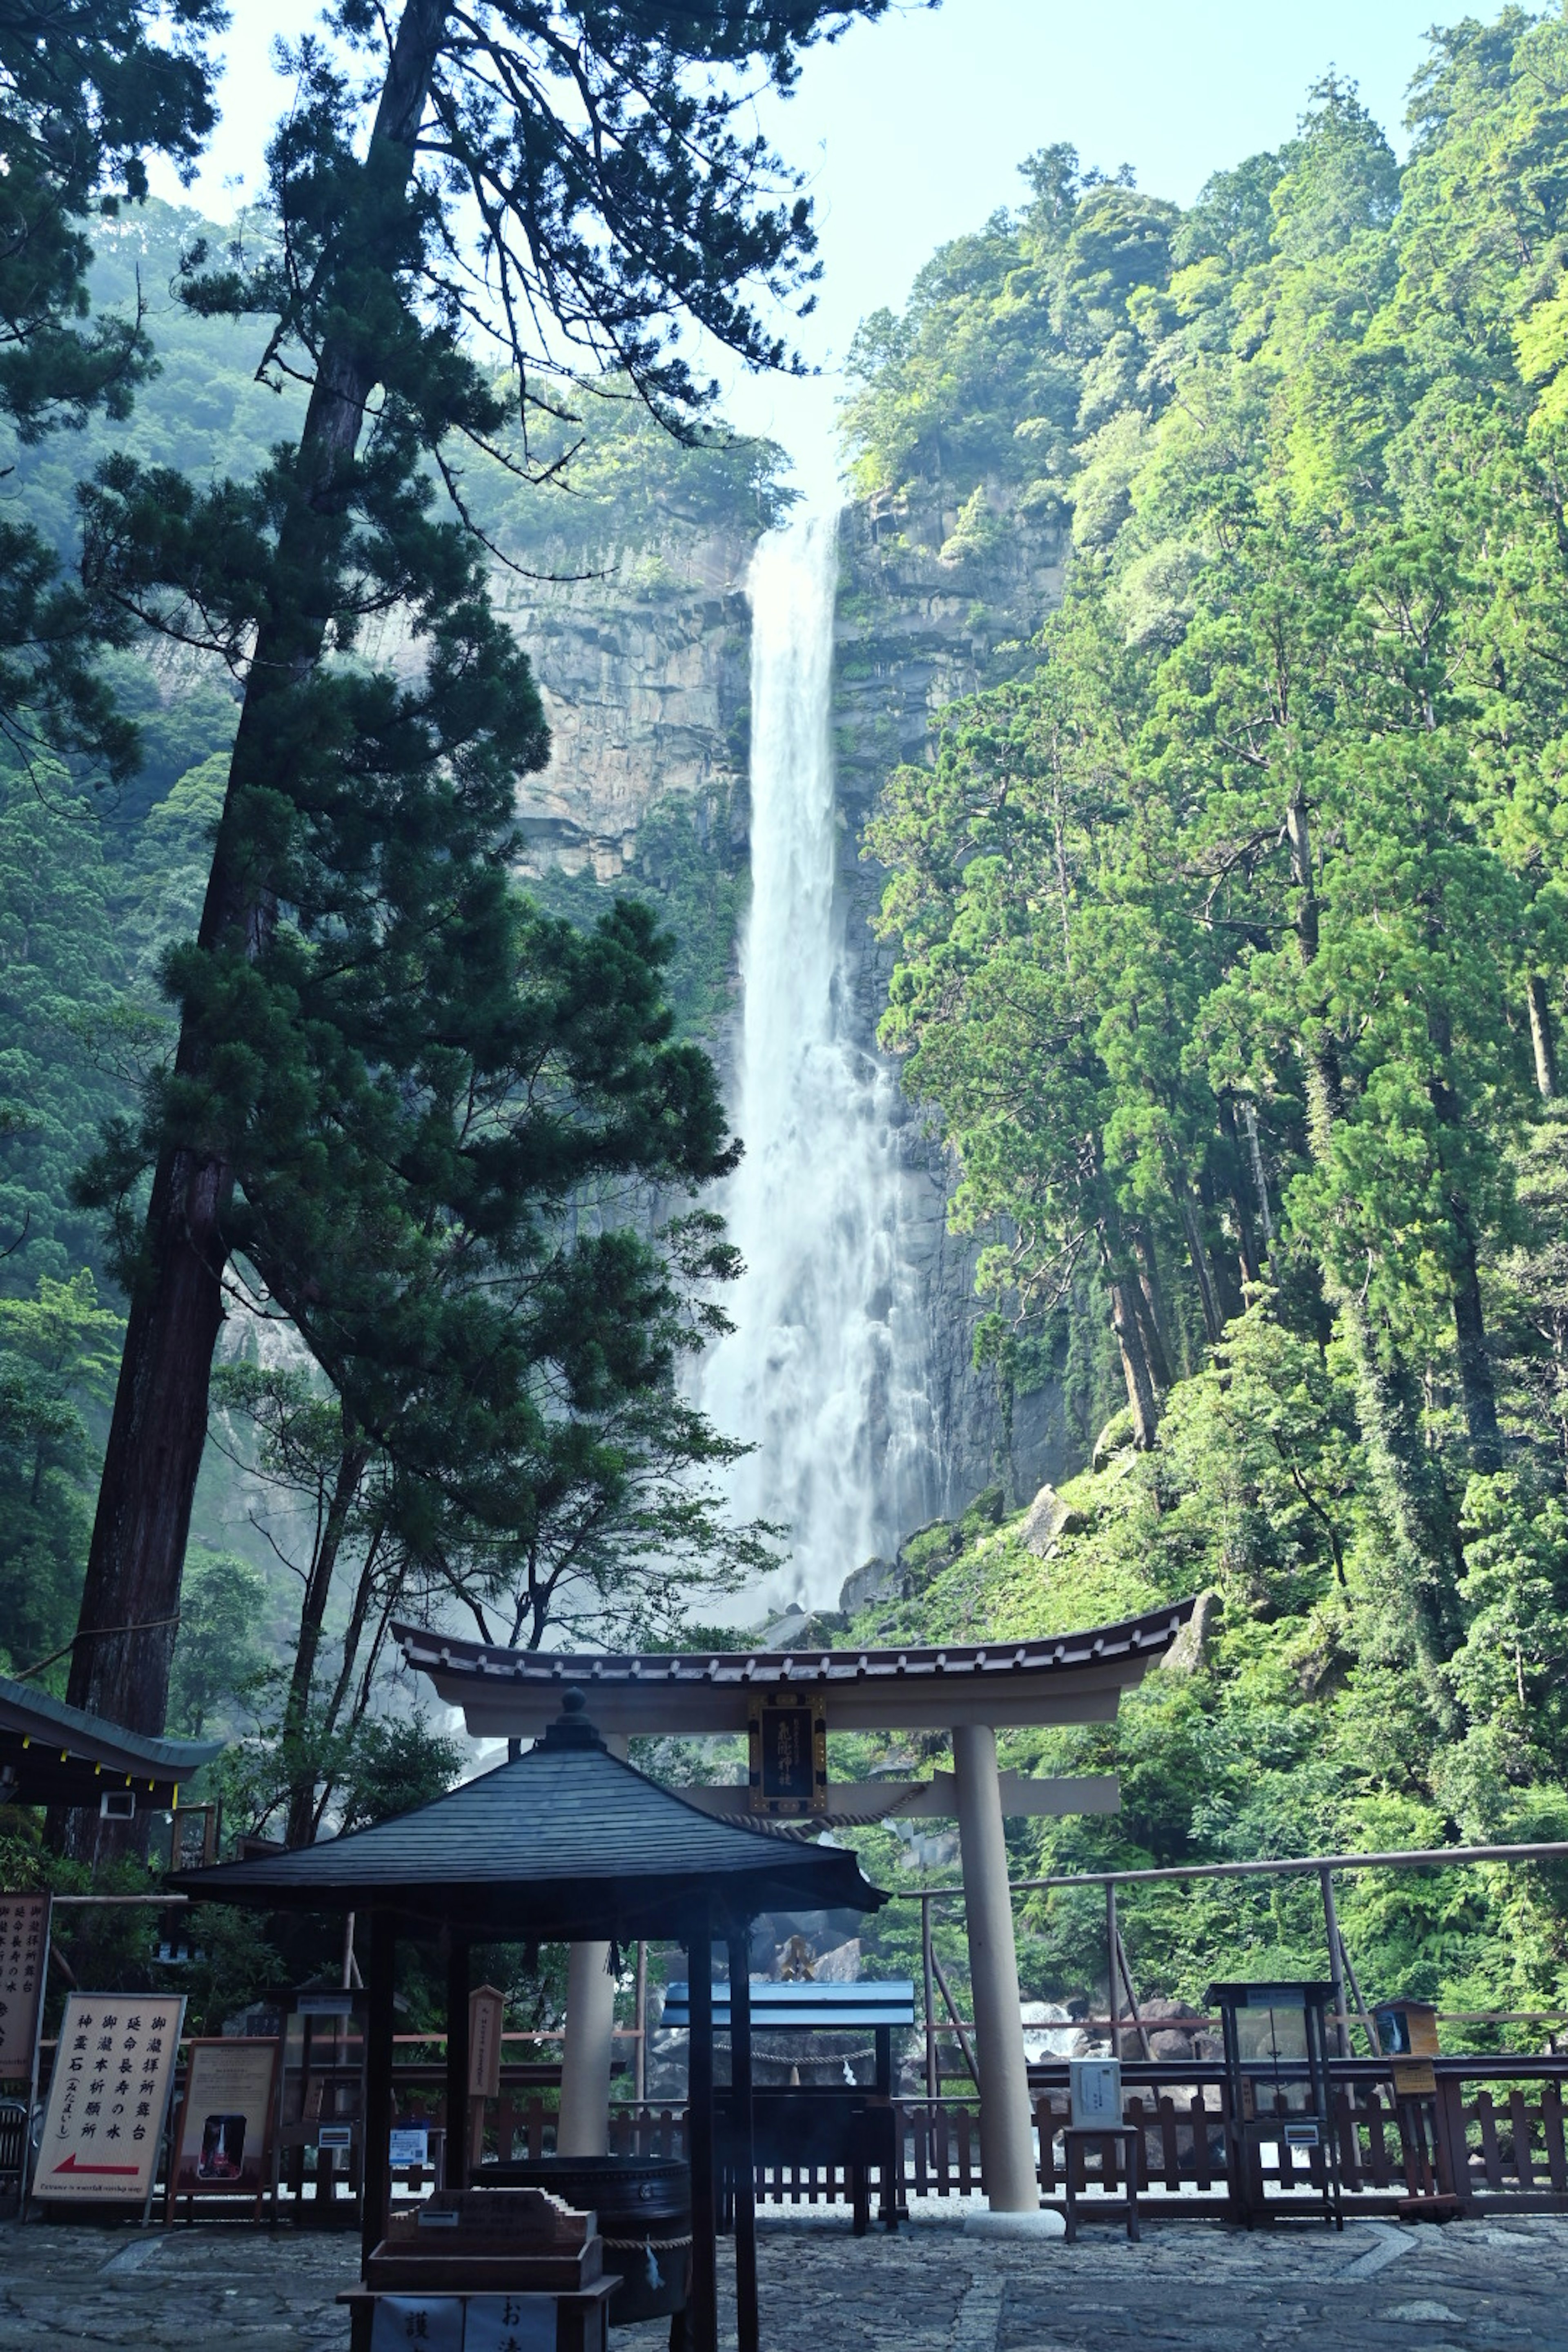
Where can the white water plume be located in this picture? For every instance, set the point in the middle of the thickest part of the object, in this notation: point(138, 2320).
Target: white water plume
point(825, 1371)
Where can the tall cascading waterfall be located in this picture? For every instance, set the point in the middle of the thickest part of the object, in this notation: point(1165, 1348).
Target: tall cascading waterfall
point(824, 1372)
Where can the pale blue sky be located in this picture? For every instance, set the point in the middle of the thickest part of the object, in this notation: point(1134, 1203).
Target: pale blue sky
point(912, 129)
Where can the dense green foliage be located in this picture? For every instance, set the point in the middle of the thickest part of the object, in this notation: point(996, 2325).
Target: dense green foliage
point(88, 92)
point(1231, 953)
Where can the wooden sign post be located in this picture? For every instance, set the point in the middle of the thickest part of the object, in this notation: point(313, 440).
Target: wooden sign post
point(487, 2014)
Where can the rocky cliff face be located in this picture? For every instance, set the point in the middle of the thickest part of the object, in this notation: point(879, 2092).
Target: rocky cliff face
point(645, 672)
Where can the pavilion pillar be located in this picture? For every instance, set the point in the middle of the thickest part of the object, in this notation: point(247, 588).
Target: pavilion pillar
point(702, 2312)
point(1007, 2133)
point(375, 2156)
point(583, 2128)
point(742, 2143)
point(456, 2168)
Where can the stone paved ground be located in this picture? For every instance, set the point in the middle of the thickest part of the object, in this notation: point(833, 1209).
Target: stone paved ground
point(1196, 2286)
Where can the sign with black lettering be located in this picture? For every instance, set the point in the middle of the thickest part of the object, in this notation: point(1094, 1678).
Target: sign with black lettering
point(109, 2094)
point(486, 2015)
point(24, 1951)
point(789, 1754)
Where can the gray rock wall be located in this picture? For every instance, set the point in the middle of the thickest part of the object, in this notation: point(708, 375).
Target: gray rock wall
point(645, 673)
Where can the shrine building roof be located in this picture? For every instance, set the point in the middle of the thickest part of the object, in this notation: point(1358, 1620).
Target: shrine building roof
point(564, 1843)
point(52, 1754)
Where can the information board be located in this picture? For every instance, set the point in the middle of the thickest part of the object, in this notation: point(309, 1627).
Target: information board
point(224, 2143)
point(24, 1955)
point(114, 2067)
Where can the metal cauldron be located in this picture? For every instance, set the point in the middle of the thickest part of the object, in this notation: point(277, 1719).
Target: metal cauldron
point(644, 2205)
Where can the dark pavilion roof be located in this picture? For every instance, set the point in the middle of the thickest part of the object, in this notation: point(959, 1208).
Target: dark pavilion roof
point(1063, 1678)
point(52, 1754)
point(566, 1843)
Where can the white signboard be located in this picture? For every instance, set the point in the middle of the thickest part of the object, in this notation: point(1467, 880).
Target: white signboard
point(24, 1950)
point(1096, 2089)
point(109, 2093)
point(511, 2322)
point(420, 2323)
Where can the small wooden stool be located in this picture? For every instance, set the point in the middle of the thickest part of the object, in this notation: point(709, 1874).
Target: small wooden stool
point(1127, 2136)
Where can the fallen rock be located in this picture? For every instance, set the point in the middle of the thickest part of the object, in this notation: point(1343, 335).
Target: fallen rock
point(879, 1579)
point(1046, 1520)
point(1115, 1438)
point(1186, 1653)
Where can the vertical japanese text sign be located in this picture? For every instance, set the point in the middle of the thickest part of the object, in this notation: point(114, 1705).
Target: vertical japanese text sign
point(24, 1950)
point(487, 2010)
point(109, 2094)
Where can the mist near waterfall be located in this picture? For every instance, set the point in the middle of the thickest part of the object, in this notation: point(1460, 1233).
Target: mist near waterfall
point(824, 1373)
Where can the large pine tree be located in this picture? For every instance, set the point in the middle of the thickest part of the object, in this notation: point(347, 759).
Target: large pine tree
point(391, 1075)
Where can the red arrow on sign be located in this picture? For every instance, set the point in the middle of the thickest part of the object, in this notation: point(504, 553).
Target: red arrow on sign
point(72, 2164)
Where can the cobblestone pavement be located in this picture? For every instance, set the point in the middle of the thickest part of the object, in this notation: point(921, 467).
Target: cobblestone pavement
point(1196, 2286)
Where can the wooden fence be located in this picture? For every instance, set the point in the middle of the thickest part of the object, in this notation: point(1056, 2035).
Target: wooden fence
point(1508, 2115)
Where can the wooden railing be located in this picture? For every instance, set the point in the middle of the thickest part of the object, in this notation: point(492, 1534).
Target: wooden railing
point(1509, 2115)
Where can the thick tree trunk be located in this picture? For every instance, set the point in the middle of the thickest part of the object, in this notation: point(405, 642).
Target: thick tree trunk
point(1198, 1256)
point(1125, 1322)
point(1478, 1389)
point(313, 1615)
point(125, 1636)
point(119, 1665)
point(1149, 1306)
point(1249, 1247)
point(1542, 1039)
point(1410, 1494)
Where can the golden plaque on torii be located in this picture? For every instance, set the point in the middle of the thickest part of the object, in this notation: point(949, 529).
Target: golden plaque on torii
point(789, 1738)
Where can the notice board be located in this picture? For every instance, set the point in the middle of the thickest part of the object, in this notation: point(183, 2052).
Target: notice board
point(109, 2096)
point(24, 1954)
point(223, 2146)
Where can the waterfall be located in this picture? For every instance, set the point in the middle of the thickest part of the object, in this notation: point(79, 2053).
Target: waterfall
point(824, 1373)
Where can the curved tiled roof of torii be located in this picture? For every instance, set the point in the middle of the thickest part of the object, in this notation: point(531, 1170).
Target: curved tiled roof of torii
point(1061, 1678)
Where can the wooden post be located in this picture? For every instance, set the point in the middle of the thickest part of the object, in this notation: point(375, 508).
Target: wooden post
point(457, 2064)
point(640, 2052)
point(934, 2070)
point(703, 2317)
point(1112, 1989)
point(1336, 1960)
point(375, 2171)
point(743, 2155)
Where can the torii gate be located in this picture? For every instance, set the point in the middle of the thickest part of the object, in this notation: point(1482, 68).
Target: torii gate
point(788, 1700)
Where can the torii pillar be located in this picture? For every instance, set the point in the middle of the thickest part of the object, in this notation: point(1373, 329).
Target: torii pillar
point(583, 2126)
point(1006, 2127)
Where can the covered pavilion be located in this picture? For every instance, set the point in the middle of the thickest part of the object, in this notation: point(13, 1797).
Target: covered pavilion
point(970, 1690)
point(565, 1844)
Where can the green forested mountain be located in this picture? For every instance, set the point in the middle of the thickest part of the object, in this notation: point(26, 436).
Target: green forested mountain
point(1231, 956)
point(1230, 946)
